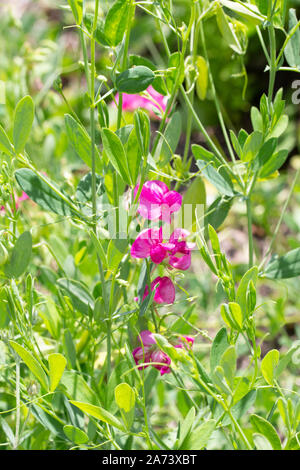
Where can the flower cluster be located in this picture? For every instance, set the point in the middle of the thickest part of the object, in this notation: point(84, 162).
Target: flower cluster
point(149, 353)
point(156, 202)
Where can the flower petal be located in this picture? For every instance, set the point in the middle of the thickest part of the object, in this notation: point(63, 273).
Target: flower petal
point(181, 262)
point(165, 292)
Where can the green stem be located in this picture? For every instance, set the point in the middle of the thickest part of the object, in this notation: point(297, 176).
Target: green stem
point(273, 67)
point(125, 60)
point(250, 234)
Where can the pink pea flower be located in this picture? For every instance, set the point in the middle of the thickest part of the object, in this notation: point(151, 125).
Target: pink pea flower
point(165, 290)
point(149, 352)
point(150, 243)
point(180, 255)
point(177, 251)
point(157, 202)
point(135, 101)
point(160, 356)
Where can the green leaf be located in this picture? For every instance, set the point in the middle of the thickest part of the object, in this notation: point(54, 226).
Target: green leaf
point(186, 427)
point(81, 142)
point(158, 84)
point(77, 9)
point(20, 256)
point(261, 442)
point(76, 388)
point(262, 6)
point(44, 192)
point(5, 144)
point(79, 294)
point(170, 139)
point(194, 196)
point(274, 163)
point(252, 146)
point(201, 153)
point(142, 129)
point(99, 413)
point(31, 363)
point(116, 22)
point(221, 183)
point(125, 397)
point(99, 33)
point(134, 156)
point(292, 49)
point(48, 420)
point(249, 12)
point(280, 126)
point(135, 79)
point(266, 429)
point(115, 252)
point(198, 438)
point(76, 435)
point(228, 363)
point(217, 212)
point(268, 365)
point(24, 115)
point(232, 315)
point(241, 293)
point(264, 154)
point(175, 63)
point(219, 346)
point(202, 77)
point(227, 30)
point(114, 149)
point(284, 267)
point(57, 363)
point(69, 348)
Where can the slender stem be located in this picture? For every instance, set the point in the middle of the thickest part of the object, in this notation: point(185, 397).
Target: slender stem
point(18, 409)
point(272, 40)
point(125, 60)
point(250, 234)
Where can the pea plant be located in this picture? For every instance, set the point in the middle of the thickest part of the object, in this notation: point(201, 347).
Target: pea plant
point(101, 265)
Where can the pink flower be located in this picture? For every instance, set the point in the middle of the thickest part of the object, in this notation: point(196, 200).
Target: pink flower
point(148, 353)
point(180, 255)
point(133, 102)
point(165, 290)
point(160, 356)
point(157, 202)
point(150, 243)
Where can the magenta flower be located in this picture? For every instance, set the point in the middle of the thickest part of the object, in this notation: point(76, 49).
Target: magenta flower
point(149, 352)
point(164, 290)
point(157, 202)
point(133, 102)
point(180, 255)
point(160, 356)
point(150, 243)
